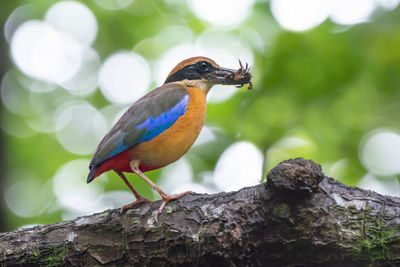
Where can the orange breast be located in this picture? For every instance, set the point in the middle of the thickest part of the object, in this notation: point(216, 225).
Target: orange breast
point(173, 143)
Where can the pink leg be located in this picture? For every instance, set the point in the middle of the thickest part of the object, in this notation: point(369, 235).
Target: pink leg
point(165, 198)
point(139, 198)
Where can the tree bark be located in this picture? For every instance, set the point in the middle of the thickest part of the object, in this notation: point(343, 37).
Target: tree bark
point(298, 217)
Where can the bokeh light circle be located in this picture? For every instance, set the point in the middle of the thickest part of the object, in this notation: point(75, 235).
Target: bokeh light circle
point(14, 97)
point(79, 127)
point(85, 80)
point(44, 53)
point(35, 85)
point(74, 18)
point(45, 105)
point(300, 15)
point(17, 17)
point(225, 49)
point(71, 190)
point(240, 165)
point(206, 135)
point(389, 4)
point(27, 197)
point(124, 77)
point(350, 12)
point(380, 152)
point(222, 12)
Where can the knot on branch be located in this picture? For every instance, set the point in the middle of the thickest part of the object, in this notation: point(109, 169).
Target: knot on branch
point(295, 175)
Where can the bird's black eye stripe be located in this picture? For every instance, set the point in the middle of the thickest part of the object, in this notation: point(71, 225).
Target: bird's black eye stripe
point(203, 66)
point(194, 71)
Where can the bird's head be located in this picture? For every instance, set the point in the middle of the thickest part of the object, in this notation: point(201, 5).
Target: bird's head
point(203, 72)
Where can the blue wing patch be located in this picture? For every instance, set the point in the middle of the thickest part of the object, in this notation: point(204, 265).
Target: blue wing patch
point(155, 126)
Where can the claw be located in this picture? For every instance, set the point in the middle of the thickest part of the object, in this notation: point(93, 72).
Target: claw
point(167, 198)
point(129, 206)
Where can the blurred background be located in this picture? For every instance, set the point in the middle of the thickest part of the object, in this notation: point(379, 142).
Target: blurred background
point(326, 87)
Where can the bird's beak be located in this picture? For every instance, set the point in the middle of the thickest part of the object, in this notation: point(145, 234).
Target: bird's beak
point(222, 76)
point(230, 76)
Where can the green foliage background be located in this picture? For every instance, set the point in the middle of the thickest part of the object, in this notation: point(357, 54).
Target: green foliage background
point(329, 86)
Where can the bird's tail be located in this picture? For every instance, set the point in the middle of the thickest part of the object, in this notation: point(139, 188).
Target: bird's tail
point(92, 173)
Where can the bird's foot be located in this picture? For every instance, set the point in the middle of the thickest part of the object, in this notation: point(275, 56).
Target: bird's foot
point(134, 203)
point(166, 198)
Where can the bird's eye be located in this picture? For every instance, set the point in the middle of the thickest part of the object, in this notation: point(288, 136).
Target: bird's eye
point(203, 66)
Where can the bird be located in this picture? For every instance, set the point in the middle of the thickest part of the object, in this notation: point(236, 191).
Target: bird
point(161, 126)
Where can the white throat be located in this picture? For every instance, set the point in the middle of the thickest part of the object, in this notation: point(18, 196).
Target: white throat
point(203, 84)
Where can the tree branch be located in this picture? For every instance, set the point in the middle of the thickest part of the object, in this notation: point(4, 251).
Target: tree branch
point(298, 216)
